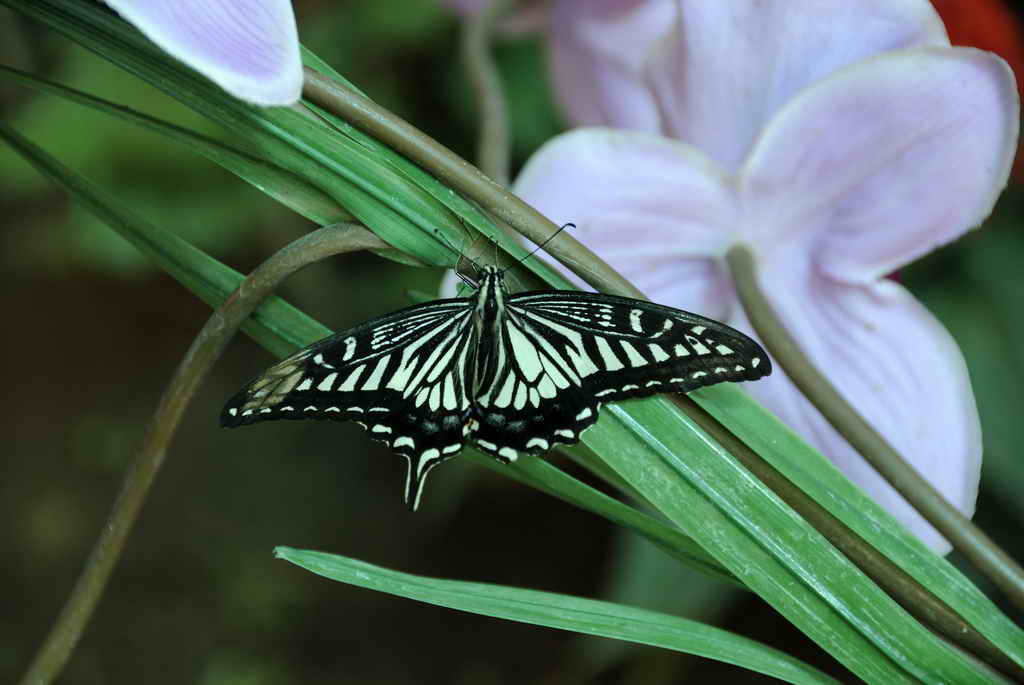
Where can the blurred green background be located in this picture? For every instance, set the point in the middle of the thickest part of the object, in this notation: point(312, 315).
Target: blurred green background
point(93, 333)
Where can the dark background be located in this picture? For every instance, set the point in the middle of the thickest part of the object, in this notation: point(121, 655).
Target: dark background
point(92, 333)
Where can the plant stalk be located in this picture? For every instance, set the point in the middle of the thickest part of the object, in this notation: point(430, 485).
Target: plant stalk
point(207, 347)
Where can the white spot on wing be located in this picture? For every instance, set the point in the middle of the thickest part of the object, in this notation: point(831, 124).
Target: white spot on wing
point(328, 381)
point(373, 382)
point(353, 378)
point(546, 387)
point(520, 396)
point(658, 352)
point(319, 359)
point(634, 320)
point(635, 358)
point(697, 345)
point(505, 394)
point(525, 353)
point(664, 328)
point(350, 348)
point(534, 397)
point(611, 362)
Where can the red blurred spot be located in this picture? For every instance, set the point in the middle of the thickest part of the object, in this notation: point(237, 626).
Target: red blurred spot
point(989, 25)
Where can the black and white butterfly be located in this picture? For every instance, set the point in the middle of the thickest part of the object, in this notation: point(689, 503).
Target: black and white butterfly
point(509, 374)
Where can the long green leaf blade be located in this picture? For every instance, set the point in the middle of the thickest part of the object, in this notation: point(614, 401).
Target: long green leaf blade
point(566, 612)
point(276, 325)
point(284, 187)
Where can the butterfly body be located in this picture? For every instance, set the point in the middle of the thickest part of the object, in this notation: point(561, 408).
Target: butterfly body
point(510, 374)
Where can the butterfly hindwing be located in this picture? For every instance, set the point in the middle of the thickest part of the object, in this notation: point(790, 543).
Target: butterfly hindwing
point(400, 376)
point(533, 397)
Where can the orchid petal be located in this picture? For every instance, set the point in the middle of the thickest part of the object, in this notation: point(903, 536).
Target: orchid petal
point(597, 52)
point(897, 366)
point(655, 209)
point(730, 66)
point(884, 161)
point(250, 48)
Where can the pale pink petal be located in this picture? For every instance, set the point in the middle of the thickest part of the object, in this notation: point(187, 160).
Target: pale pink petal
point(884, 161)
point(730, 66)
point(597, 53)
point(656, 210)
point(898, 367)
point(250, 48)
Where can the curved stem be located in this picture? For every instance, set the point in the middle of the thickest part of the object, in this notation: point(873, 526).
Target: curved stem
point(492, 153)
point(900, 585)
point(462, 176)
point(200, 357)
point(957, 528)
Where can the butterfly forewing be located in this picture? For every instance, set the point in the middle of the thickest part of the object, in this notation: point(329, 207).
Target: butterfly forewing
point(401, 377)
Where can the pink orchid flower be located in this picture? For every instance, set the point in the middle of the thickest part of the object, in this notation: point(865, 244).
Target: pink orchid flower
point(839, 140)
point(250, 48)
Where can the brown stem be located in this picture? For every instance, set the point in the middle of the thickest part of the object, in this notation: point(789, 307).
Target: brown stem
point(492, 154)
point(957, 528)
point(462, 176)
point(200, 357)
point(897, 583)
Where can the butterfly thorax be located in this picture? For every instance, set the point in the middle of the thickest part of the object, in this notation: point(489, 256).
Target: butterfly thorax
point(488, 312)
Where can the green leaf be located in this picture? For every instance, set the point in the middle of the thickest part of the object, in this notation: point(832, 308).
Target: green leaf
point(286, 188)
point(815, 475)
point(276, 325)
point(566, 612)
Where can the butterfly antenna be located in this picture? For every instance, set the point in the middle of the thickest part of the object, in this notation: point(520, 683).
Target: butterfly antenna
point(546, 241)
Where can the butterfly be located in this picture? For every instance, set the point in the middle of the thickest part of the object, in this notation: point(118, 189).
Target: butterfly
point(507, 373)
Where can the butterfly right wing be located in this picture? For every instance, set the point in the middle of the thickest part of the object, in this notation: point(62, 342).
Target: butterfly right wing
point(401, 377)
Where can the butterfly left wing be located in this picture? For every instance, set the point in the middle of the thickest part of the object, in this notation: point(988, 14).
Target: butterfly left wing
point(563, 354)
point(401, 377)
